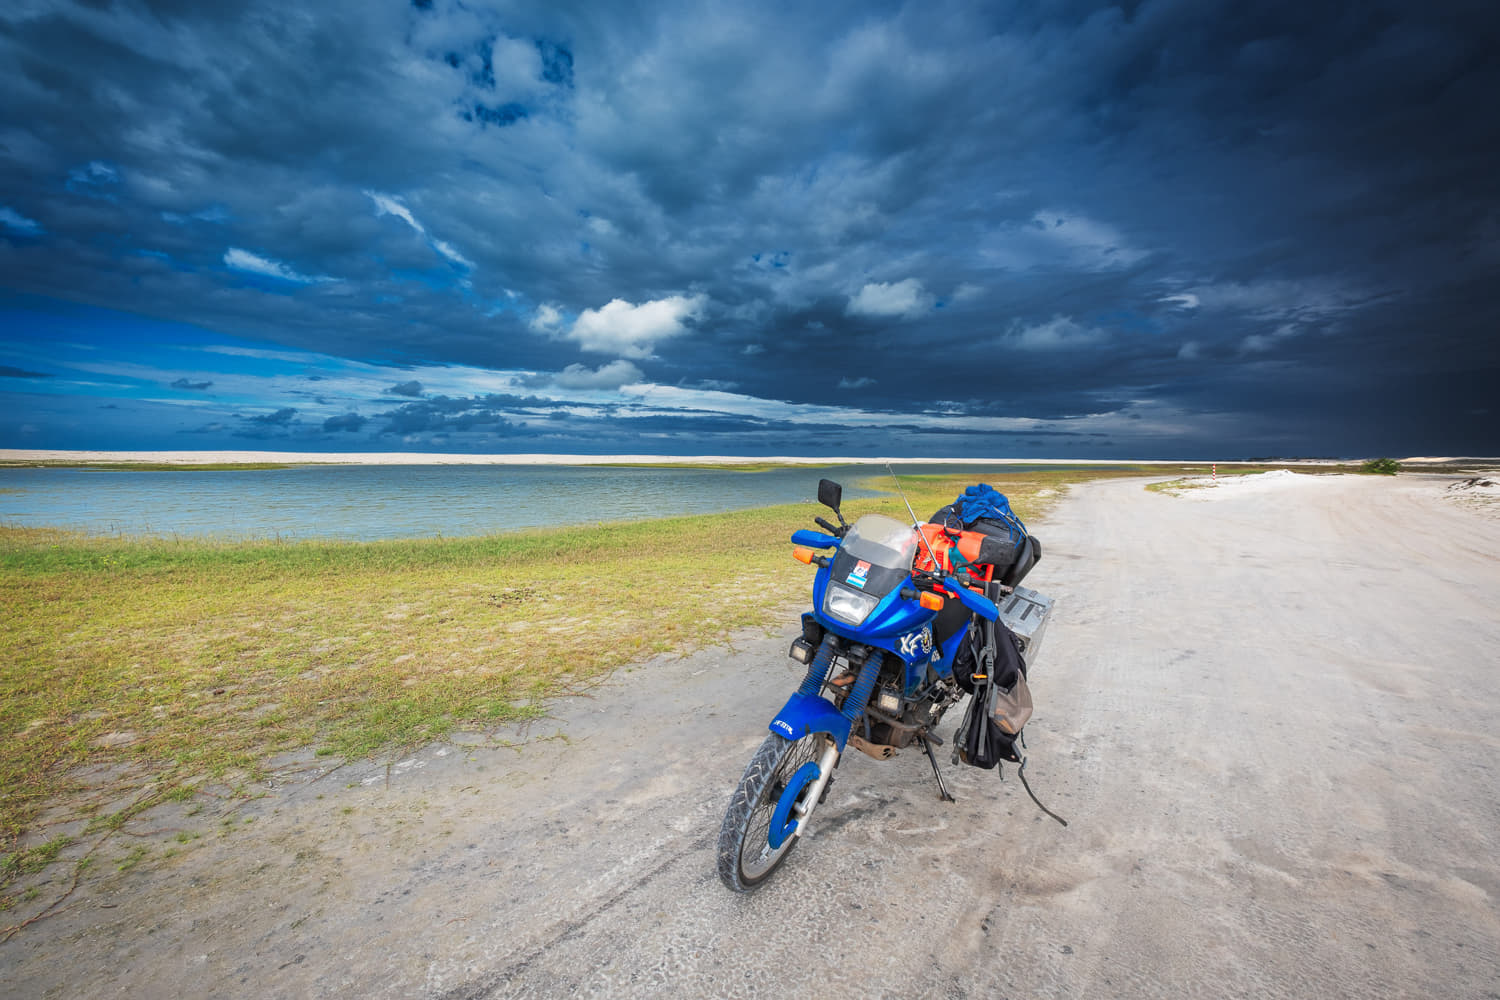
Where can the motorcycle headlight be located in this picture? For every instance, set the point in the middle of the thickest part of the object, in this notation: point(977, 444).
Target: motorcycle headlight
point(848, 605)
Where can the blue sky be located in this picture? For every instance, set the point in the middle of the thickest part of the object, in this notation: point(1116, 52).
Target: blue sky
point(1158, 230)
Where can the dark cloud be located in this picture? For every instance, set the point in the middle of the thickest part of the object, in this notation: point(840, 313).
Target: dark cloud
point(446, 416)
point(1275, 223)
point(10, 371)
point(346, 422)
point(280, 418)
point(183, 383)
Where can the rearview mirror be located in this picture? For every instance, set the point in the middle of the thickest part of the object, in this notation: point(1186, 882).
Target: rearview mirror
point(829, 494)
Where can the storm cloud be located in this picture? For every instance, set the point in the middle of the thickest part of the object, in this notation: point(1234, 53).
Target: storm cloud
point(1157, 229)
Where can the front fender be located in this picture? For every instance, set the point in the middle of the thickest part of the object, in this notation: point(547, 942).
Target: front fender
point(804, 714)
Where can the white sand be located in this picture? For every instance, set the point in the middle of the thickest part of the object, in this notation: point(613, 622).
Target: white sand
point(1480, 493)
point(1210, 488)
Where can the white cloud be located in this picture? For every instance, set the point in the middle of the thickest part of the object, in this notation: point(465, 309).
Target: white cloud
point(244, 260)
point(1182, 300)
point(601, 227)
point(1189, 351)
point(447, 250)
point(750, 350)
point(16, 222)
point(631, 331)
point(652, 399)
point(855, 383)
point(389, 205)
point(966, 291)
point(610, 376)
point(1058, 333)
point(1090, 244)
point(900, 298)
point(386, 204)
point(516, 65)
point(547, 319)
point(297, 357)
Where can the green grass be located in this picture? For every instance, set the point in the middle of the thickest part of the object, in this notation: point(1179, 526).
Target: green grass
point(26, 862)
point(167, 663)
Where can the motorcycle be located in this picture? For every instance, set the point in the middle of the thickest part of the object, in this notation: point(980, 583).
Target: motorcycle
point(880, 645)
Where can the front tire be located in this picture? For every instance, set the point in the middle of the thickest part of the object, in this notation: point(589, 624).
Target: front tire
point(746, 857)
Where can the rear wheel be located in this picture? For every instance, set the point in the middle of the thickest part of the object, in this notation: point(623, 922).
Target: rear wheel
point(746, 855)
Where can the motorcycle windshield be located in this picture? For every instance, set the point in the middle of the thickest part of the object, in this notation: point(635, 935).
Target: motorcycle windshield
point(874, 559)
point(882, 541)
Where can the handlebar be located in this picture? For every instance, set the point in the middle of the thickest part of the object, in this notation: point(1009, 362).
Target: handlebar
point(977, 603)
point(813, 539)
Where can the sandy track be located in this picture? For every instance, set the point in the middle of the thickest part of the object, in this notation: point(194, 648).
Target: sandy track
point(1271, 715)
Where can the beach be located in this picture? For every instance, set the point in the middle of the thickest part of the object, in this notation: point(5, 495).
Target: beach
point(1267, 708)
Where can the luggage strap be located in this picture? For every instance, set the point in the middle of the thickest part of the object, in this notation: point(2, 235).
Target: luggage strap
point(987, 664)
point(1021, 773)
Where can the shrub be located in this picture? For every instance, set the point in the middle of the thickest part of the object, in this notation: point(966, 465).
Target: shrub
point(1381, 466)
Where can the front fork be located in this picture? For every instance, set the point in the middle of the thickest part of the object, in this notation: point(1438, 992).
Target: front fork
point(802, 807)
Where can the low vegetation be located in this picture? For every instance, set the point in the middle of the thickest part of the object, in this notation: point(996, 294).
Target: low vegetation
point(1381, 467)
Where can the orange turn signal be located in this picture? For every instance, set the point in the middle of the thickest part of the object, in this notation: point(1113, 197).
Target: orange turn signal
point(802, 555)
point(930, 601)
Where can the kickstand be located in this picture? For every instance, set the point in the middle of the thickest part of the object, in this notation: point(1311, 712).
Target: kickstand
point(942, 787)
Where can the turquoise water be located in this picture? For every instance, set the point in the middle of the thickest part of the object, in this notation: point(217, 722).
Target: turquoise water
point(362, 502)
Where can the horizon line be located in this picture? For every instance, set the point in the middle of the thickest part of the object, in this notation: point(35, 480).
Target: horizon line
point(218, 457)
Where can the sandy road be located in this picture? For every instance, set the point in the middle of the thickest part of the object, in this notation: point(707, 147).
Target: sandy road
point(1271, 715)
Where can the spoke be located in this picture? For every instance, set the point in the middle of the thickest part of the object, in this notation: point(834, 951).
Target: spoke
point(757, 856)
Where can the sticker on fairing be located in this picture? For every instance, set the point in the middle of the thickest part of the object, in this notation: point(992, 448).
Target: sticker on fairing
point(916, 642)
point(858, 575)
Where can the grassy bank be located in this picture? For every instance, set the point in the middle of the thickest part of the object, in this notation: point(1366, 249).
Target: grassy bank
point(156, 667)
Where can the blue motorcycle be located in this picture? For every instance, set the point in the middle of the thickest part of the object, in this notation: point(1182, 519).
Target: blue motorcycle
point(889, 617)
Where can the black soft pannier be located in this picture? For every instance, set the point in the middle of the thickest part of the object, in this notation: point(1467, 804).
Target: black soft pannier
point(1008, 659)
point(1011, 552)
point(1001, 702)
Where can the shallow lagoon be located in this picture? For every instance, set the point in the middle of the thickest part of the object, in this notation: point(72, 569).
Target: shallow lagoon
point(363, 502)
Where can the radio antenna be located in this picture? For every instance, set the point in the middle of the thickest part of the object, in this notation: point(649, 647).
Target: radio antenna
point(937, 566)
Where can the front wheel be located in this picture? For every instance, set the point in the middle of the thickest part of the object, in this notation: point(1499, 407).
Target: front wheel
point(746, 855)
